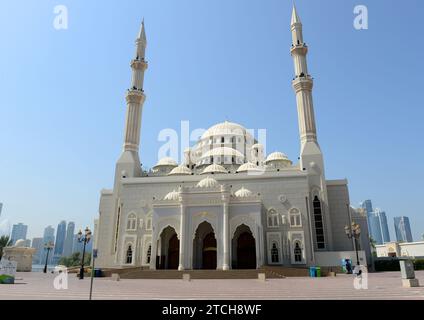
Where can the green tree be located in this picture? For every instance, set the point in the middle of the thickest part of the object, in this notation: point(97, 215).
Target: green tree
point(4, 242)
point(75, 260)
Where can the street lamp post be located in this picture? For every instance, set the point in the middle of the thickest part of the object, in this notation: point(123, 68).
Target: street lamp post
point(47, 246)
point(84, 239)
point(354, 231)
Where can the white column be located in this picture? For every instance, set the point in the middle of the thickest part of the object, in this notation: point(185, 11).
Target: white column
point(225, 234)
point(182, 237)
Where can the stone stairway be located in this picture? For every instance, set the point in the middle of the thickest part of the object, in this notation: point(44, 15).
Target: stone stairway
point(270, 271)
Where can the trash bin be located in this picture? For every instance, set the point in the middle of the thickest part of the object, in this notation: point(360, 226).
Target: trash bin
point(312, 272)
point(97, 273)
point(318, 272)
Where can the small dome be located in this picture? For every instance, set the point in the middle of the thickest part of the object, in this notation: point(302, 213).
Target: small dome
point(214, 168)
point(167, 161)
point(243, 193)
point(173, 195)
point(180, 171)
point(20, 243)
point(277, 156)
point(249, 166)
point(208, 182)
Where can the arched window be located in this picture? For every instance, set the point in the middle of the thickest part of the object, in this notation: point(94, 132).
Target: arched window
point(319, 226)
point(149, 223)
point(132, 222)
point(273, 220)
point(149, 254)
point(129, 255)
point(295, 218)
point(274, 253)
point(297, 252)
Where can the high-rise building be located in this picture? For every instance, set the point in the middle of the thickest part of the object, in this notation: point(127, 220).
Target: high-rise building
point(383, 225)
point(377, 223)
point(1, 207)
point(60, 241)
point(19, 231)
point(37, 244)
point(403, 229)
point(374, 226)
point(69, 239)
point(48, 238)
point(367, 205)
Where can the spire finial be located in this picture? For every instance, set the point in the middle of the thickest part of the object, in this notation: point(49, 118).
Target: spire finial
point(142, 33)
point(295, 17)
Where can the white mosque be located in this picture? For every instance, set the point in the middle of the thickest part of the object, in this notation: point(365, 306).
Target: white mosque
point(228, 205)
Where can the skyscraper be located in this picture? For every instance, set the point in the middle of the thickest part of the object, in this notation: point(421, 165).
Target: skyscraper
point(383, 225)
point(403, 229)
point(60, 241)
point(37, 244)
point(69, 240)
point(19, 231)
point(48, 237)
point(367, 205)
point(1, 208)
point(377, 223)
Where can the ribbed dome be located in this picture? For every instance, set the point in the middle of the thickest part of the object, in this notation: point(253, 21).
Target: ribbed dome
point(248, 167)
point(224, 128)
point(208, 182)
point(180, 171)
point(223, 151)
point(167, 161)
point(173, 195)
point(243, 193)
point(214, 168)
point(277, 156)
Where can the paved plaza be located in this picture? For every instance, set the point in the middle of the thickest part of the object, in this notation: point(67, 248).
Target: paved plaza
point(386, 285)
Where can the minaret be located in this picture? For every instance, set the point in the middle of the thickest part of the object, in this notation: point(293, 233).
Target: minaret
point(311, 159)
point(129, 163)
point(302, 85)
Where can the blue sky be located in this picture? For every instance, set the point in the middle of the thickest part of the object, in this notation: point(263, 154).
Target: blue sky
point(62, 103)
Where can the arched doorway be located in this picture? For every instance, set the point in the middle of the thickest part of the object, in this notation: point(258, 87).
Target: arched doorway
point(244, 249)
point(204, 247)
point(169, 249)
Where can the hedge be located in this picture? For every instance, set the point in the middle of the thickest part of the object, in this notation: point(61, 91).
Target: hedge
point(393, 265)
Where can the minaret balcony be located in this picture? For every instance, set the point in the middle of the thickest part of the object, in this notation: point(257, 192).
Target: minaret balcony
point(139, 64)
point(300, 49)
point(303, 83)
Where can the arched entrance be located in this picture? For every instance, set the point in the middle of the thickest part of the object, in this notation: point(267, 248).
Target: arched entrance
point(244, 248)
point(168, 249)
point(204, 247)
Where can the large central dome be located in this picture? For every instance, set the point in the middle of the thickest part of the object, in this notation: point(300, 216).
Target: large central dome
point(225, 128)
point(226, 147)
point(225, 143)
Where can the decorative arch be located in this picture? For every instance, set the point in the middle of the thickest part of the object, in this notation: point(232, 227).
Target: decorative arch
point(295, 217)
point(275, 252)
point(131, 222)
point(298, 251)
point(246, 220)
point(129, 253)
point(162, 225)
point(272, 218)
point(149, 221)
point(199, 219)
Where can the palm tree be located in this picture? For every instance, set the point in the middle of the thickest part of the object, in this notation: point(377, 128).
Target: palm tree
point(4, 242)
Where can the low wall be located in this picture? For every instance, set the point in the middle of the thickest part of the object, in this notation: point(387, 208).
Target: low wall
point(334, 258)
